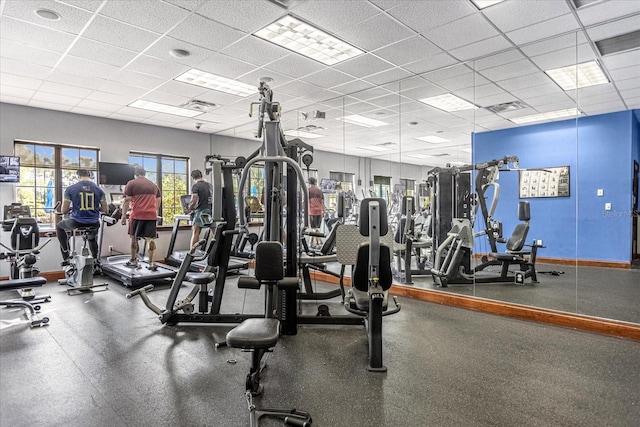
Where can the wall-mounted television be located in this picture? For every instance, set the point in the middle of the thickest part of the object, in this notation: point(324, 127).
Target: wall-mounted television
point(115, 173)
point(328, 185)
point(9, 169)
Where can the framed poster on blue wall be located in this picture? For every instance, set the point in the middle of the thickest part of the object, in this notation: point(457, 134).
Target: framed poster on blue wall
point(544, 182)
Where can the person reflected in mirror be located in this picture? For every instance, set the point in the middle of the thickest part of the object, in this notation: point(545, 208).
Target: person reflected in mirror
point(316, 209)
point(200, 206)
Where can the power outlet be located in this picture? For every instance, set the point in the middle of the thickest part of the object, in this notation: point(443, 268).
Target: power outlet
point(110, 248)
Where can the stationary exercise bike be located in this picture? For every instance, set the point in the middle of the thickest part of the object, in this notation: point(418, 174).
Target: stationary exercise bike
point(82, 266)
point(24, 250)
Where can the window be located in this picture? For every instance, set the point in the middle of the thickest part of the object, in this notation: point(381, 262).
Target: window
point(46, 170)
point(172, 177)
point(382, 187)
point(409, 186)
point(345, 179)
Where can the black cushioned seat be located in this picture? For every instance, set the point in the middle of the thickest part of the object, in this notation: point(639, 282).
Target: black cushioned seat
point(200, 278)
point(252, 334)
point(30, 282)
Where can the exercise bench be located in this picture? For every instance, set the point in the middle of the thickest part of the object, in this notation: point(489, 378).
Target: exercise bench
point(29, 309)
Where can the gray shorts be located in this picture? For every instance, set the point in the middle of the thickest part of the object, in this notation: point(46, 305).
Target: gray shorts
point(202, 218)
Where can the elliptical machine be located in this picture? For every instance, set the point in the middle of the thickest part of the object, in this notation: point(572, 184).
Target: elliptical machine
point(82, 266)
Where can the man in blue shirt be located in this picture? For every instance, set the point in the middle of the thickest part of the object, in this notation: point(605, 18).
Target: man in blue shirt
point(84, 200)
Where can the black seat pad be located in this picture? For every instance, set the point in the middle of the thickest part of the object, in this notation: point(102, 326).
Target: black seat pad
point(30, 282)
point(254, 334)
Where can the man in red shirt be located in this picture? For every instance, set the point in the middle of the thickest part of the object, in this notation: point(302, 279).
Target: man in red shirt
point(143, 196)
point(316, 209)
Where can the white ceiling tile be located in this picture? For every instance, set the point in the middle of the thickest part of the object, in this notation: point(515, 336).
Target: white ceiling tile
point(548, 100)
point(100, 106)
point(90, 5)
point(611, 96)
point(32, 35)
point(328, 78)
point(225, 66)
point(12, 66)
point(123, 89)
point(432, 63)
point(248, 16)
point(628, 84)
point(352, 87)
point(112, 98)
point(47, 105)
point(110, 31)
point(497, 59)
point(423, 16)
point(534, 91)
point(63, 89)
point(481, 48)
point(408, 50)
point(393, 75)
point(542, 30)
point(508, 71)
point(17, 92)
point(8, 99)
point(72, 79)
point(334, 15)
point(27, 54)
point(163, 46)
point(622, 60)
point(630, 93)
point(137, 79)
point(101, 52)
point(526, 81)
point(295, 66)
point(180, 88)
point(89, 112)
point(374, 33)
point(622, 73)
point(565, 57)
point(157, 67)
point(605, 11)
point(20, 81)
point(254, 50)
point(86, 67)
point(363, 65)
point(511, 15)
point(56, 98)
point(132, 112)
point(72, 19)
point(152, 15)
point(602, 108)
point(461, 32)
point(556, 43)
point(620, 26)
point(500, 98)
point(206, 33)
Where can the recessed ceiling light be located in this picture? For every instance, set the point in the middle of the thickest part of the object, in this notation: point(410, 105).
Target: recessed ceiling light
point(578, 76)
point(448, 102)
point(48, 14)
point(481, 4)
point(211, 81)
point(433, 139)
point(179, 53)
point(301, 134)
point(307, 40)
point(412, 123)
point(558, 114)
point(163, 108)
point(266, 79)
point(359, 120)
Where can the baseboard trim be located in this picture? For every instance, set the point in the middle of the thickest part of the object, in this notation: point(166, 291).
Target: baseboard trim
point(576, 262)
point(558, 318)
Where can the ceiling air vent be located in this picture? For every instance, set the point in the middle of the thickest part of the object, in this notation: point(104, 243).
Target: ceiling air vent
point(507, 106)
point(583, 3)
point(310, 128)
point(439, 155)
point(619, 43)
point(196, 105)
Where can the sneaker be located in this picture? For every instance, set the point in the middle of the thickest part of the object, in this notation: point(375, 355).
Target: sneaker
point(131, 264)
point(153, 267)
point(65, 262)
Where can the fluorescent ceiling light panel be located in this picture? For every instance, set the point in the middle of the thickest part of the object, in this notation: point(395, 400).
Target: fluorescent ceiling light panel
point(359, 120)
point(486, 3)
point(578, 76)
point(419, 156)
point(309, 41)
point(448, 102)
point(433, 139)
point(221, 84)
point(374, 147)
point(164, 108)
point(301, 134)
point(559, 114)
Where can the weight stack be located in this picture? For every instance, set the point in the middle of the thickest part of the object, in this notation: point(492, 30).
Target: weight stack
point(287, 310)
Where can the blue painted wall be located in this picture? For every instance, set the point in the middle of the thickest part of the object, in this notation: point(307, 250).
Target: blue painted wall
point(600, 151)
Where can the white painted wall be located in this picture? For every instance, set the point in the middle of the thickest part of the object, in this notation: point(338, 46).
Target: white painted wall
point(115, 138)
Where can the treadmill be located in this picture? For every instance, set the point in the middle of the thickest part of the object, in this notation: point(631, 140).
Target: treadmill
point(114, 266)
point(174, 258)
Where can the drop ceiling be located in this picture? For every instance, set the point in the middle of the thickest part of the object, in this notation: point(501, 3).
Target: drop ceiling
point(102, 55)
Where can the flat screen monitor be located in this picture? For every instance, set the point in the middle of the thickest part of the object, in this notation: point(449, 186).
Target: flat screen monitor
point(328, 185)
point(9, 169)
point(115, 173)
point(185, 201)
